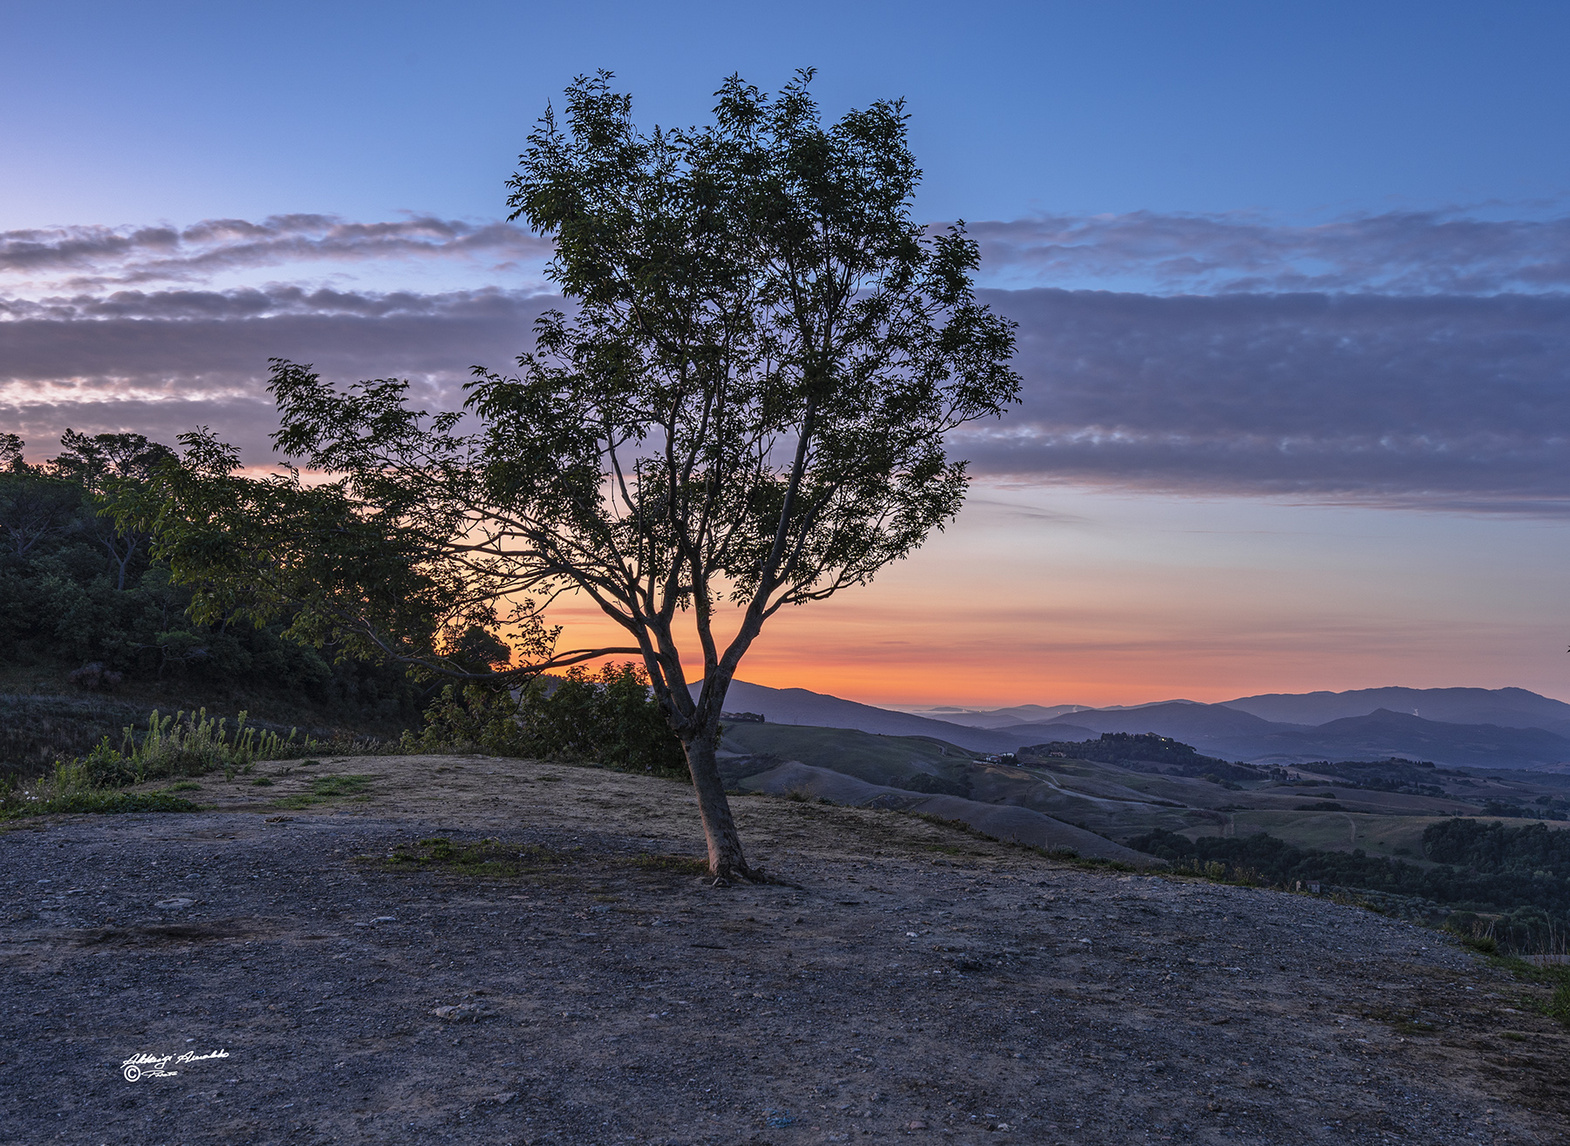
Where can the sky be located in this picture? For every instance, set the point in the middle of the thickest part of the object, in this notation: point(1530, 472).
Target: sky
point(1291, 283)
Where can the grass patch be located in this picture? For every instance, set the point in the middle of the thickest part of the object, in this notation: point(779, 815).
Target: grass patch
point(680, 865)
point(343, 785)
point(325, 788)
point(1555, 976)
point(99, 801)
point(494, 858)
point(70, 789)
point(488, 858)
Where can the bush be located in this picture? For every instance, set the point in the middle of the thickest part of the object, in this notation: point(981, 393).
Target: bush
point(606, 718)
point(107, 768)
point(471, 718)
point(95, 677)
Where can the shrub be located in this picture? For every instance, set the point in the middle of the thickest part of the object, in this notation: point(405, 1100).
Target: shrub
point(606, 718)
point(1559, 1005)
point(471, 718)
point(107, 768)
point(95, 677)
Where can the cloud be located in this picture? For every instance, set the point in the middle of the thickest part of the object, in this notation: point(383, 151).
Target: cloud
point(1430, 366)
point(1447, 401)
point(1398, 253)
point(87, 257)
point(164, 362)
point(257, 303)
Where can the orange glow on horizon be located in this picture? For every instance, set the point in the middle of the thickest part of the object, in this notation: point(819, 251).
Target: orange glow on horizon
point(1098, 599)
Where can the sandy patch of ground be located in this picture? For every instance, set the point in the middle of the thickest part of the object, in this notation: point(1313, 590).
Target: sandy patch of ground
point(906, 983)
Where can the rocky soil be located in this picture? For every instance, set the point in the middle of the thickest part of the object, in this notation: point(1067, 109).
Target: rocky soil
point(578, 982)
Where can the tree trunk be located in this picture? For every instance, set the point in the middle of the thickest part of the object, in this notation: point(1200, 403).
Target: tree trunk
point(725, 856)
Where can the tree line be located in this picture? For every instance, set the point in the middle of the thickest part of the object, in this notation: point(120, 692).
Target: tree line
point(1520, 874)
point(84, 601)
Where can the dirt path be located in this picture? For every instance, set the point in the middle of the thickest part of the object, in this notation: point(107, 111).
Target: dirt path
point(578, 983)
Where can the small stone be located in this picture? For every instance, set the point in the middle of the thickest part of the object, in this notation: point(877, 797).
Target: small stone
point(174, 904)
point(915, 1124)
point(471, 1012)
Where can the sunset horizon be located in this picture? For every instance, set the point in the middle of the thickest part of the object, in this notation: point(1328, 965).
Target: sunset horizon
point(1294, 414)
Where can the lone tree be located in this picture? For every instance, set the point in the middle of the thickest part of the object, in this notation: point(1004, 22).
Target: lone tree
point(742, 407)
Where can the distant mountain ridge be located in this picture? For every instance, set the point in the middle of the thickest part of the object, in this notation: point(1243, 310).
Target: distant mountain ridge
point(1458, 727)
point(1184, 720)
point(1507, 707)
point(1382, 734)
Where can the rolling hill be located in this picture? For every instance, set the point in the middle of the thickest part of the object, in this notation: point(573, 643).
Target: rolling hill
point(1383, 733)
point(802, 706)
point(1481, 728)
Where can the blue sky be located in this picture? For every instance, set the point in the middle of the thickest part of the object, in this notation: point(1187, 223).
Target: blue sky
point(1292, 280)
point(134, 113)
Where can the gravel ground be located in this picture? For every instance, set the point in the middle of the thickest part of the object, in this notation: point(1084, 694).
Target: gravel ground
point(903, 981)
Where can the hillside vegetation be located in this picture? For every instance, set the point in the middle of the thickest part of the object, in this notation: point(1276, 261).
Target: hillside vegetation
point(1402, 834)
point(93, 635)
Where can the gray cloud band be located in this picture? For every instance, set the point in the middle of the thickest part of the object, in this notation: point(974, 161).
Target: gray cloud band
point(164, 363)
point(1442, 401)
point(86, 257)
point(1399, 252)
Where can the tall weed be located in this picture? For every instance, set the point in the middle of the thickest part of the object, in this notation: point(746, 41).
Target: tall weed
point(188, 744)
point(185, 744)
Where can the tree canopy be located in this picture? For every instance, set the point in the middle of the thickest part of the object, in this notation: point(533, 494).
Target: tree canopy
point(84, 605)
point(742, 405)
